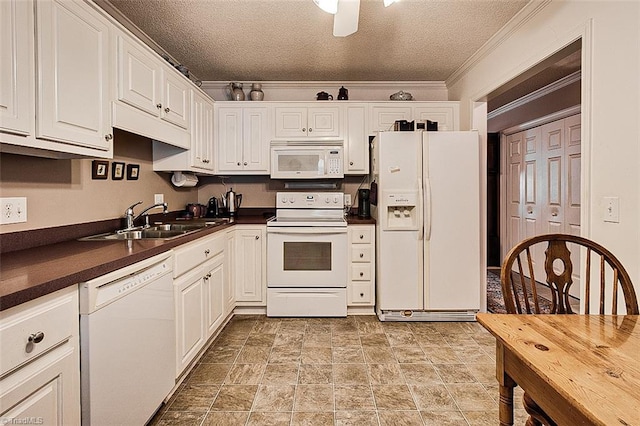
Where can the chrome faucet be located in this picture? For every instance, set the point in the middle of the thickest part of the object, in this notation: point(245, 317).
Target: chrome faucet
point(130, 218)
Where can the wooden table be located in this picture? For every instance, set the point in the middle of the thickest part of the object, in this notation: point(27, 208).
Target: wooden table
point(580, 369)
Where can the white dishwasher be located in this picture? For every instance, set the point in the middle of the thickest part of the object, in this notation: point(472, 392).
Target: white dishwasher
point(127, 343)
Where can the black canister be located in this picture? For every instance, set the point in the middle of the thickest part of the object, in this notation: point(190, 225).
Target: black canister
point(364, 204)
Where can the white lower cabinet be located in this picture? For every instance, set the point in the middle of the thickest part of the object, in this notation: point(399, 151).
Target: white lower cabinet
point(40, 364)
point(200, 275)
point(250, 258)
point(361, 285)
point(229, 289)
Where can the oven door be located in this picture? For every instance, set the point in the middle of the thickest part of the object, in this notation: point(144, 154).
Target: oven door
point(309, 257)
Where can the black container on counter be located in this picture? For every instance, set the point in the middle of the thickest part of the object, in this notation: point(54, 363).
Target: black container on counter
point(364, 205)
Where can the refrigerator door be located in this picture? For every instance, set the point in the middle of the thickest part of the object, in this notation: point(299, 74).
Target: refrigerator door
point(399, 279)
point(452, 255)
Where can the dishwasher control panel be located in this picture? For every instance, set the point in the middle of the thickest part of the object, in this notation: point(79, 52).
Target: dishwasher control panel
point(103, 290)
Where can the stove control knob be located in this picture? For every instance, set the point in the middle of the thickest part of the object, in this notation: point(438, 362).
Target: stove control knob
point(335, 199)
point(284, 200)
point(292, 200)
point(327, 200)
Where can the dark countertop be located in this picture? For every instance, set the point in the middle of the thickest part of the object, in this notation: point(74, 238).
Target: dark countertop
point(32, 272)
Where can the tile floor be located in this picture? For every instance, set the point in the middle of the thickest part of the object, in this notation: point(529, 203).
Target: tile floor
point(341, 371)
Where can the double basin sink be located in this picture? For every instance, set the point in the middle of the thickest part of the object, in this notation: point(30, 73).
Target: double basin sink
point(164, 231)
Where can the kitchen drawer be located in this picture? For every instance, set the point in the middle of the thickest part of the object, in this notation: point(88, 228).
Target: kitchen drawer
point(361, 272)
point(190, 255)
point(361, 235)
point(47, 321)
point(361, 293)
point(361, 253)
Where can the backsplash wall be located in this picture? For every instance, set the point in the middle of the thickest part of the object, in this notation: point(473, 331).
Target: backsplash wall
point(61, 192)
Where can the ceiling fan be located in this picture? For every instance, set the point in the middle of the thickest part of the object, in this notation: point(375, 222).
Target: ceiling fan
point(346, 13)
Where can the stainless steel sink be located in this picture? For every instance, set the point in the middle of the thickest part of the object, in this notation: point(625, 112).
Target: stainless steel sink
point(162, 231)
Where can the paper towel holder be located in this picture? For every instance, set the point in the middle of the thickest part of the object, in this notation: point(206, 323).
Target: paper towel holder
point(183, 179)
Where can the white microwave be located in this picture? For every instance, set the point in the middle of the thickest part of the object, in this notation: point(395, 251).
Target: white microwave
point(307, 159)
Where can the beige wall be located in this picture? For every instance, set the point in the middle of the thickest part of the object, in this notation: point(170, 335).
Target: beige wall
point(61, 192)
point(610, 94)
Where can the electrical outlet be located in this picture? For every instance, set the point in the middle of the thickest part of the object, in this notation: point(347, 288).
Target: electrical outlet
point(347, 200)
point(158, 198)
point(14, 210)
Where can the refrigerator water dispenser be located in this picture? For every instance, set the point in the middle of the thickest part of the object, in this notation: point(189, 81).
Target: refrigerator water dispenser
point(401, 211)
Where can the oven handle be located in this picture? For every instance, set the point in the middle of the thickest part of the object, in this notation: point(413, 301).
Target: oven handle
point(307, 230)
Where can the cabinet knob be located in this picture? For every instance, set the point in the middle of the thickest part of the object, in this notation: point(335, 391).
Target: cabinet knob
point(310, 129)
point(351, 163)
point(361, 294)
point(238, 163)
point(304, 129)
point(205, 161)
point(554, 214)
point(206, 277)
point(362, 274)
point(361, 236)
point(159, 106)
point(167, 109)
point(245, 163)
point(206, 252)
point(36, 337)
point(108, 137)
point(361, 255)
point(257, 237)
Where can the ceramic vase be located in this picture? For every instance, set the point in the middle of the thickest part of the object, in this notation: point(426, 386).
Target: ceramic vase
point(256, 93)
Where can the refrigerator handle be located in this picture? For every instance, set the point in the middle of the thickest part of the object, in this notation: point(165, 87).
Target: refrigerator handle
point(421, 207)
point(427, 208)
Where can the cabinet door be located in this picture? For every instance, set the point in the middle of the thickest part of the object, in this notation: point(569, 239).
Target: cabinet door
point(255, 139)
point(175, 99)
point(250, 276)
point(229, 294)
point(291, 122)
point(201, 132)
point(16, 66)
point(356, 140)
point(323, 122)
point(446, 115)
point(190, 314)
point(73, 74)
point(229, 128)
point(383, 117)
point(138, 78)
point(214, 279)
point(44, 390)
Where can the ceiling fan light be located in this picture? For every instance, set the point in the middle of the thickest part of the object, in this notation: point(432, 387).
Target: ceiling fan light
point(329, 6)
point(388, 3)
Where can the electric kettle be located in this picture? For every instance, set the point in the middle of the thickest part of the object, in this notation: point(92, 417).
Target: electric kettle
point(231, 202)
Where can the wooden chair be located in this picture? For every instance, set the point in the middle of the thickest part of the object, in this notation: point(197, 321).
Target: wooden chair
point(520, 292)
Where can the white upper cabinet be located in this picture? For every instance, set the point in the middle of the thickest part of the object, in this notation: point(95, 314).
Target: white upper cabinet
point(153, 99)
point(16, 67)
point(307, 122)
point(243, 136)
point(356, 140)
point(385, 114)
point(73, 74)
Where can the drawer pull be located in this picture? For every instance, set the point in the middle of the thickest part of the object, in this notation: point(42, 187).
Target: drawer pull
point(206, 252)
point(361, 255)
point(36, 337)
point(361, 236)
point(206, 277)
point(257, 237)
point(362, 274)
point(361, 294)
point(167, 110)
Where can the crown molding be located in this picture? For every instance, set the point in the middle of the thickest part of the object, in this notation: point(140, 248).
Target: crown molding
point(546, 90)
point(313, 84)
point(530, 10)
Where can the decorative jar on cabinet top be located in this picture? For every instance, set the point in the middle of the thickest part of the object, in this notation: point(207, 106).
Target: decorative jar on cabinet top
point(237, 94)
point(256, 93)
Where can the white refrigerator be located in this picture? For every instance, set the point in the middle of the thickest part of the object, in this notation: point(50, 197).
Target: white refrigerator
point(426, 190)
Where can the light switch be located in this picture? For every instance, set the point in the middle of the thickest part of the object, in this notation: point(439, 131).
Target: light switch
point(612, 209)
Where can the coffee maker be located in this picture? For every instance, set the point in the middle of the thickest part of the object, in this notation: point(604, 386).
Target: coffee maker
point(364, 203)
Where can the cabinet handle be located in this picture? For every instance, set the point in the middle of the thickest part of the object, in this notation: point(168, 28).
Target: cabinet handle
point(245, 163)
point(167, 109)
point(361, 236)
point(206, 252)
point(362, 274)
point(361, 255)
point(257, 237)
point(238, 163)
point(361, 294)
point(205, 161)
point(554, 214)
point(351, 163)
point(310, 129)
point(159, 106)
point(304, 129)
point(36, 337)
point(206, 277)
point(108, 137)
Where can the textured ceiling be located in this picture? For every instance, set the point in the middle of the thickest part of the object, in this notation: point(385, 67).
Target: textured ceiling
point(291, 40)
